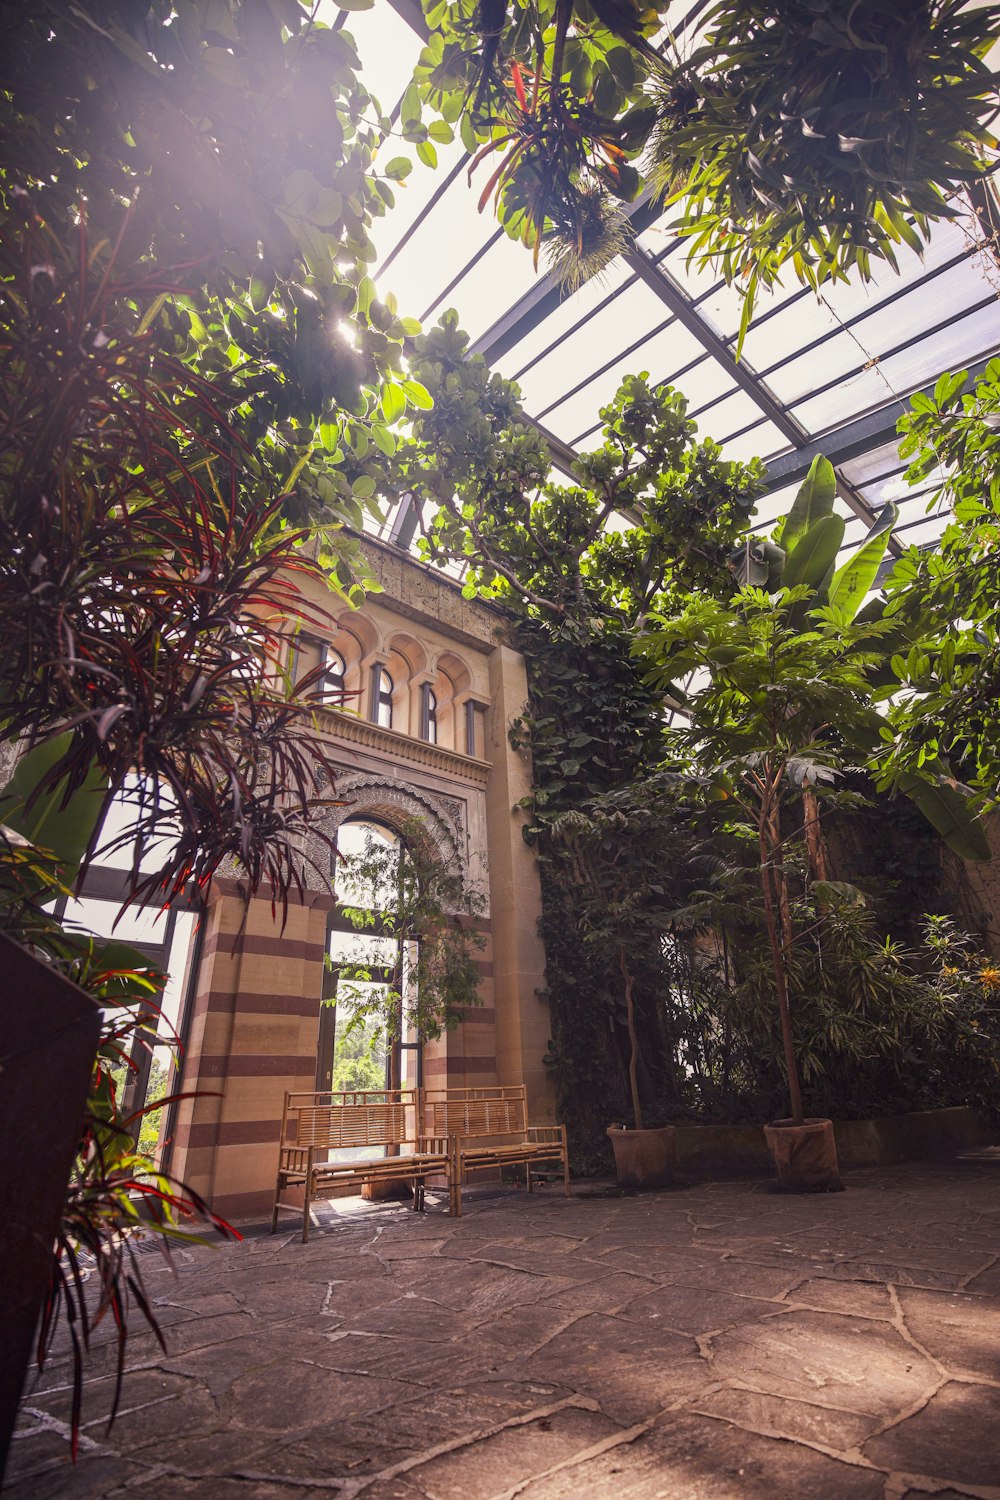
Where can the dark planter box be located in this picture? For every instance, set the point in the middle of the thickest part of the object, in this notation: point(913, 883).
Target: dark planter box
point(740, 1150)
point(49, 1031)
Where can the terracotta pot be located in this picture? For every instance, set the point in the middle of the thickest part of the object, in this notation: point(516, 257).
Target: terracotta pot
point(644, 1158)
point(805, 1156)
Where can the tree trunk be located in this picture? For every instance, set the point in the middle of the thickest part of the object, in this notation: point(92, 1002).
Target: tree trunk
point(775, 891)
point(813, 830)
point(633, 1062)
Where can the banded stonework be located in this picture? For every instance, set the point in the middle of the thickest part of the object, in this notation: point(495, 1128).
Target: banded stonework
point(253, 1027)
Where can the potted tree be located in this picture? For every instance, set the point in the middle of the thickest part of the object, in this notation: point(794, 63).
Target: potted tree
point(784, 676)
point(621, 845)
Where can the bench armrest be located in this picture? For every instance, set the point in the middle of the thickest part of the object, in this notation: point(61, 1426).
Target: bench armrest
point(295, 1158)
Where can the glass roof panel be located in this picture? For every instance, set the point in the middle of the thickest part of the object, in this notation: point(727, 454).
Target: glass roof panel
point(828, 360)
point(483, 295)
point(630, 318)
point(962, 341)
point(762, 440)
point(571, 310)
point(388, 47)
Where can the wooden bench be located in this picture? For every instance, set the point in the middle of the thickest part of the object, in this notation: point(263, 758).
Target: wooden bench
point(488, 1127)
point(314, 1124)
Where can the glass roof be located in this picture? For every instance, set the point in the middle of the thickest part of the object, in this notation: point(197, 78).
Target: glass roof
point(814, 371)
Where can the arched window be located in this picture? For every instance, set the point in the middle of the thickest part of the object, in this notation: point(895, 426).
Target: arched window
point(335, 671)
point(428, 714)
point(381, 705)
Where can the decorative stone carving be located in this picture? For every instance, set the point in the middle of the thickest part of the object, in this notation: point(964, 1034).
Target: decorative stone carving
point(394, 801)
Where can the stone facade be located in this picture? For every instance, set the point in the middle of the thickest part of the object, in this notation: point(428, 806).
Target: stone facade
point(253, 1031)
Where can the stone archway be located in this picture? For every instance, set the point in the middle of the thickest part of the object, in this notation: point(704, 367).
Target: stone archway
point(394, 802)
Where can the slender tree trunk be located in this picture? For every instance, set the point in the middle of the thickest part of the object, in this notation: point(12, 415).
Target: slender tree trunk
point(780, 883)
point(633, 1062)
point(775, 891)
point(813, 830)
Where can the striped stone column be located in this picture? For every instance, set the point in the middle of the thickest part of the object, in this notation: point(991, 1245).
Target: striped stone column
point(252, 1035)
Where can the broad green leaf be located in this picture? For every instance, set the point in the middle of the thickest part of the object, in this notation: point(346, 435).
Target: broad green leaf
point(947, 811)
point(814, 553)
point(852, 582)
point(399, 168)
point(418, 395)
point(410, 107)
point(384, 439)
point(393, 402)
point(363, 487)
point(260, 293)
point(44, 821)
point(366, 295)
point(814, 500)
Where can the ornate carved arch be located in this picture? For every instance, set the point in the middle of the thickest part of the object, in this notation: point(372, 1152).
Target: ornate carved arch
point(394, 802)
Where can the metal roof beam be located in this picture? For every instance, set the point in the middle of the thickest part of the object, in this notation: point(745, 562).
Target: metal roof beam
point(848, 441)
point(738, 371)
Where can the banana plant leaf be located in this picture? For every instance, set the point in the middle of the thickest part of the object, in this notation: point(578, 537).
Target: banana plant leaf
point(948, 812)
point(814, 501)
point(814, 553)
point(40, 812)
point(852, 582)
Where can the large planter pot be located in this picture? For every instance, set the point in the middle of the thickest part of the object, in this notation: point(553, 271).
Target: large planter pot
point(644, 1158)
point(805, 1156)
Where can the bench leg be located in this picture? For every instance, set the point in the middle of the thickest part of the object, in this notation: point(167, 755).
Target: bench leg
point(307, 1196)
point(417, 1205)
point(531, 1185)
point(455, 1189)
point(274, 1211)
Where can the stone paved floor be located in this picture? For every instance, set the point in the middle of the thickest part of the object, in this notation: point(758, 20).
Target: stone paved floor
point(713, 1342)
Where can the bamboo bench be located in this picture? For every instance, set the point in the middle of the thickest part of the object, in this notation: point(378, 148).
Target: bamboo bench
point(314, 1124)
point(488, 1127)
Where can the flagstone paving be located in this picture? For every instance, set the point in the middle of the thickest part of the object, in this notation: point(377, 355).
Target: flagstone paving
point(716, 1341)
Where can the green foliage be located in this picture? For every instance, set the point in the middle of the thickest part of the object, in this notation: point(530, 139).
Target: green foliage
point(655, 513)
point(358, 1062)
point(542, 95)
point(822, 136)
point(193, 365)
point(783, 704)
point(221, 162)
point(653, 510)
point(948, 598)
point(880, 1028)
